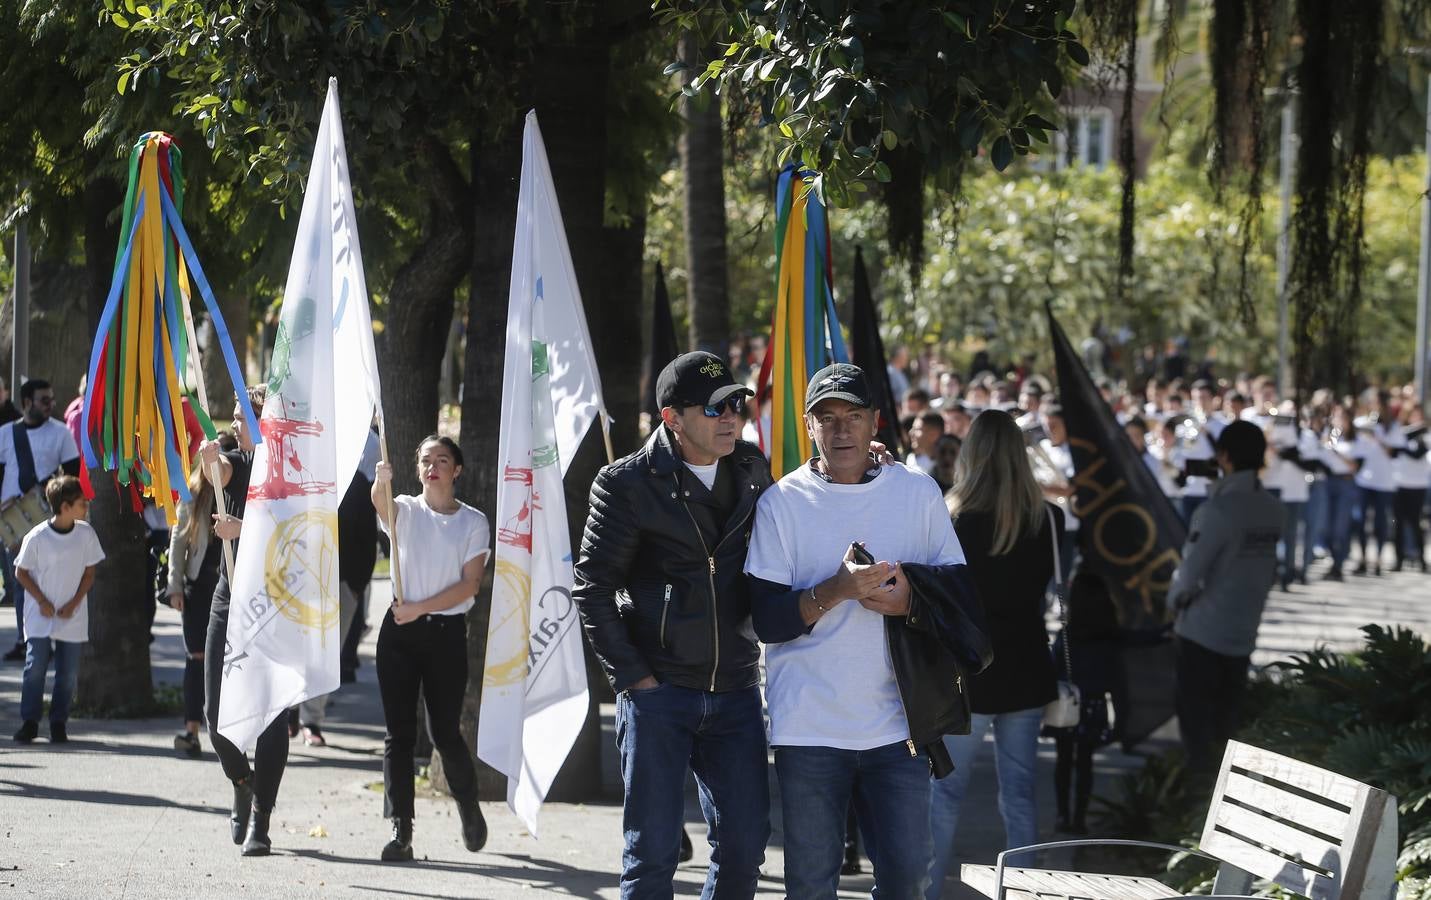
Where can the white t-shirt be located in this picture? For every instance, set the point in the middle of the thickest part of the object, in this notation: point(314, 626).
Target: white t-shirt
point(1202, 448)
point(433, 547)
point(1412, 472)
point(51, 445)
point(834, 687)
point(1377, 472)
point(920, 462)
point(707, 474)
point(1061, 455)
point(57, 562)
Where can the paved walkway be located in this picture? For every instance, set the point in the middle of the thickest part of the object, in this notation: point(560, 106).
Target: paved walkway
point(117, 813)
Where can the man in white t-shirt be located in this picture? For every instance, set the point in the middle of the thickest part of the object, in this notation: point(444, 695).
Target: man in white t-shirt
point(838, 719)
point(32, 449)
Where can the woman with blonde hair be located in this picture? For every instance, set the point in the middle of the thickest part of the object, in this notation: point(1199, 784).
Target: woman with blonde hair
point(1009, 534)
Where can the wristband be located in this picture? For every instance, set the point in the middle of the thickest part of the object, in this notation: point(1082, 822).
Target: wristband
point(818, 605)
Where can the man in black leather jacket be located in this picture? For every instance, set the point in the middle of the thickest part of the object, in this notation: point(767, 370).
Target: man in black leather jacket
point(666, 606)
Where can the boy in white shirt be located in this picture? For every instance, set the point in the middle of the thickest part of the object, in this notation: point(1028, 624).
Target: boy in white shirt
point(55, 566)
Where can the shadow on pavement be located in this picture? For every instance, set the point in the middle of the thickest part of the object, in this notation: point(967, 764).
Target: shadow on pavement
point(114, 798)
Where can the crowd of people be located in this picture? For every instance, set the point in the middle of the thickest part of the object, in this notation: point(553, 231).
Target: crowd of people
point(901, 604)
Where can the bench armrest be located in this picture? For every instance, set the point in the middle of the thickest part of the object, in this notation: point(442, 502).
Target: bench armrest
point(1088, 842)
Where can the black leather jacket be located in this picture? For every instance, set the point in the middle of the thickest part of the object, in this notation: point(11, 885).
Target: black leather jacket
point(933, 648)
point(660, 579)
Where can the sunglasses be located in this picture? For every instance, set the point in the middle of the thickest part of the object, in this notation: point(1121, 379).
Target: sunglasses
point(735, 404)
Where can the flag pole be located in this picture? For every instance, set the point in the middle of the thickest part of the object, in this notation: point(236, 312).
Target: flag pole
point(216, 472)
point(606, 436)
point(391, 515)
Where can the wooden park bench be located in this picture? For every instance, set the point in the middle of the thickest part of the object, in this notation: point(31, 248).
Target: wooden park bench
point(1311, 831)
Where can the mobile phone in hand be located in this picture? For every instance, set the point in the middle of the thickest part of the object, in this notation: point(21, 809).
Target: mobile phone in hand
point(863, 557)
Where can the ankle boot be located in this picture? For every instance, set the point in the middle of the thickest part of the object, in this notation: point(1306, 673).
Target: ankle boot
point(399, 849)
point(243, 802)
point(256, 843)
point(474, 827)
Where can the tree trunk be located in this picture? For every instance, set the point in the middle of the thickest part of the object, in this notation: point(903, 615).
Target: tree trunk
point(114, 676)
point(702, 163)
point(419, 314)
point(568, 83)
point(496, 170)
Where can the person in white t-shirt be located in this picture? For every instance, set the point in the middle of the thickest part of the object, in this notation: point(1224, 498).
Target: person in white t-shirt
point(56, 565)
point(838, 719)
point(442, 548)
point(42, 447)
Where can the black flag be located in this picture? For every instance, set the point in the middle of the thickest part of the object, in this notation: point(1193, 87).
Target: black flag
point(1129, 534)
point(867, 352)
point(660, 349)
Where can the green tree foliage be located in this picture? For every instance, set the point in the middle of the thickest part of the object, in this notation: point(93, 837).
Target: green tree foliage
point(870, 91)
point(1024, 237)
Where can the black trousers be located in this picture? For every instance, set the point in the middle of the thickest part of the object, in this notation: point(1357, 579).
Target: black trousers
point(270, 755)
point(1409, 533)
point(1209, 696)
point(198, 601)
point(1073, 772)
point(428, 655)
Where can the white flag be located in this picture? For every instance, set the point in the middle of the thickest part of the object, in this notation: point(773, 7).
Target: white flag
point(534, 697)
point(283, 636)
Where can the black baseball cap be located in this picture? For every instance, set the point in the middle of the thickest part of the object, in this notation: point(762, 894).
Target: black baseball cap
point(841, 381)
point(696, 379)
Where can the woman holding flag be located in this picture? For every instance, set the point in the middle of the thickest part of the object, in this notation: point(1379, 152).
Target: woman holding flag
point(441, 547)
point(256, 787)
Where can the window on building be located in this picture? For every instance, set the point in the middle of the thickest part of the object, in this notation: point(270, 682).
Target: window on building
point(1085, 140)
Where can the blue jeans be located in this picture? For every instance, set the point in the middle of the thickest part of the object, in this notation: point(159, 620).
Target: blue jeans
point(38, 652)
point(661, 733)
point(1342, 495)
point(1316, 518)
point(891, 789)
point(1015, 762)
point(1291, 525)
point(1188, 506)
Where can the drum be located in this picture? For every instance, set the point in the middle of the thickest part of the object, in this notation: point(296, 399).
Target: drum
point(22, 514)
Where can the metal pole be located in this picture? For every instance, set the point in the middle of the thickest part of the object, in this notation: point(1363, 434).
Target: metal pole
point(20, 349)
point(1423, 279)
point(1288, 162)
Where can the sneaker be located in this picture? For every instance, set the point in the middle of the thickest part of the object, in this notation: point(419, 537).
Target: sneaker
point(58, 734)
point(28, 732)
point(1334, 575)
point(1360, 569)
point(187, 743)
point(313, 737)
point(15, 653)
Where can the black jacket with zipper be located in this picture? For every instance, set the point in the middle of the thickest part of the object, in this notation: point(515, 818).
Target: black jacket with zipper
point(660, 579)
point(933, 649)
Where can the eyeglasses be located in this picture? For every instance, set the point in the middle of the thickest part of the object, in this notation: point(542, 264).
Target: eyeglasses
point(735, 404)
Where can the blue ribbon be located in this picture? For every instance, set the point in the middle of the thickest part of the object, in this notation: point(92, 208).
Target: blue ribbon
point(106, 318)
point(230, 360)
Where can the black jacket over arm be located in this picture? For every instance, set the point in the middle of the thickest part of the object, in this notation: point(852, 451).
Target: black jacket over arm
point(660, 581)
point(933, 648)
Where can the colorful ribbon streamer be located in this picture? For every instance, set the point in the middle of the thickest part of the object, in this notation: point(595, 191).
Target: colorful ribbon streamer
point(135, 392)
point(805, 335)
